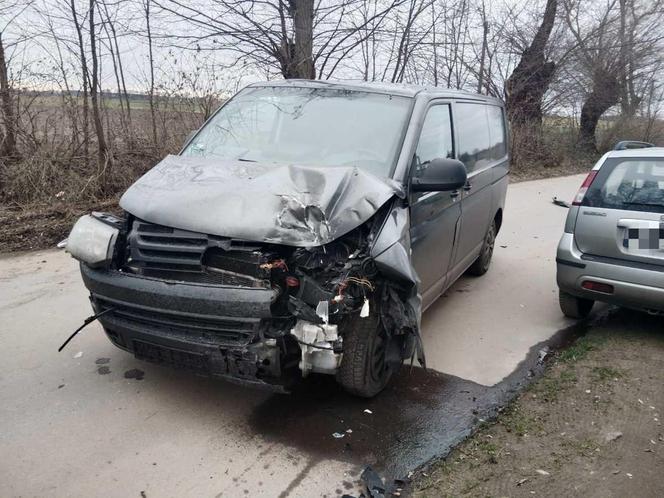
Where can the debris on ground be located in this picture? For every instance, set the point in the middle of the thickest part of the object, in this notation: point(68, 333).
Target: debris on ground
point(612, 436)
point(337, 435)
point(373, 482)
point(560, 202)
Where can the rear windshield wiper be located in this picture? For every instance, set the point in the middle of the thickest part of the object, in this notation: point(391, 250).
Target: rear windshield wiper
point(644, 204)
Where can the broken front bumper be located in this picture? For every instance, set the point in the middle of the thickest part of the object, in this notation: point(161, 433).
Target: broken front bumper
point(210, 329)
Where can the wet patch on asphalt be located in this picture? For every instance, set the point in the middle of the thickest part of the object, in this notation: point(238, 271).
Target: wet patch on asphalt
point(103, 370)
point(134, 373)
point(419, 418)
point(102, 361)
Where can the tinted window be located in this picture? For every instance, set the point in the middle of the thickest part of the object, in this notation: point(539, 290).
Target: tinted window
point(498, 146)
point(628, 184)
point(435, 139)
point(481, 133)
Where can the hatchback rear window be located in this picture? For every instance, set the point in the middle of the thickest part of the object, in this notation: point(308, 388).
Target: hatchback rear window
point(632, 184)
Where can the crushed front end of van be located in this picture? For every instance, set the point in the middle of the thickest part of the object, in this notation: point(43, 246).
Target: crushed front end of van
point(258, 274)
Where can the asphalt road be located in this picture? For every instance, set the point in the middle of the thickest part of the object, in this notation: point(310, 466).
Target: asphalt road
point(94, 421)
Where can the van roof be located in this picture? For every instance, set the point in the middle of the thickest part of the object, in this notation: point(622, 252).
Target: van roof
point(401, 89)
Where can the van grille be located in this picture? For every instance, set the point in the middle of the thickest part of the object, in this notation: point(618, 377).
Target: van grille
point(180, 255)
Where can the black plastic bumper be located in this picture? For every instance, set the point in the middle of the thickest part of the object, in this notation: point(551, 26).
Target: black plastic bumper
point(209, 329)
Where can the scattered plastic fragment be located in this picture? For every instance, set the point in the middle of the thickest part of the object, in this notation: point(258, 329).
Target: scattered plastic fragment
point(612, 436)
point(364, 312)
point(542, 472)
point(79, 354)
point(560, 202)
point(374, 483)
point(522, 481)
point(368, 411)
point(337, 435)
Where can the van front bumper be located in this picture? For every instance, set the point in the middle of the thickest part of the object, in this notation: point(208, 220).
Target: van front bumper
point(635, 285)
point(209, 329)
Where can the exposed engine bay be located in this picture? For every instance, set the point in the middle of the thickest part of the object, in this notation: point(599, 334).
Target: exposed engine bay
point(316, 292)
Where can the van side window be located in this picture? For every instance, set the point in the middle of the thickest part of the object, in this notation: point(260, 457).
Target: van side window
point(435, 139)
point(472, 125)
point(498, 144)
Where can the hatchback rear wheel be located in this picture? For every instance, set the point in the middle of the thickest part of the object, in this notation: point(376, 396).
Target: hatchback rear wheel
point(574, 307)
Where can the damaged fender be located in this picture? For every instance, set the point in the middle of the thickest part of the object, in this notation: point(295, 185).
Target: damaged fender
point(391, 252)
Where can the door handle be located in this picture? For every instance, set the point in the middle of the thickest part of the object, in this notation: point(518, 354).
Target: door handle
point(454, 193)
point(467, 187)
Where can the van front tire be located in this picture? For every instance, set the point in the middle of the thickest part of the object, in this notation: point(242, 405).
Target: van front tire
point(364, 369)
point(574, 307)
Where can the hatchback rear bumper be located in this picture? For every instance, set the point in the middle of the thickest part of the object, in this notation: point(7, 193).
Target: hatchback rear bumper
point(635, 286)
point(211, 330)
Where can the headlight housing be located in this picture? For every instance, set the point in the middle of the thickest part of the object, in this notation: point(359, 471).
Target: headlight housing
point(92, 241)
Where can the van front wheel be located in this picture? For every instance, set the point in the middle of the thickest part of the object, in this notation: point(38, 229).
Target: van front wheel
point(365, 368)
point(483, 261)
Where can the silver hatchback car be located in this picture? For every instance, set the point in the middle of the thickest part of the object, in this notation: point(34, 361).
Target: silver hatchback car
point(612, 249)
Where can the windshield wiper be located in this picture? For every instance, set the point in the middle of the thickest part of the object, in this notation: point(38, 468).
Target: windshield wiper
point(643, 204)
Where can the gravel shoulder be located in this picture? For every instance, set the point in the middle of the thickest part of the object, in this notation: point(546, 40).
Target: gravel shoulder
point(590, 426)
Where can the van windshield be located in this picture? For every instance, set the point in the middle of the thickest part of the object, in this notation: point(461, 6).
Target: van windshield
point(308, 127)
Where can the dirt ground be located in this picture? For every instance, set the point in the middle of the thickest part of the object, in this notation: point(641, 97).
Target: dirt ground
point(31, 228)
point(590, 426)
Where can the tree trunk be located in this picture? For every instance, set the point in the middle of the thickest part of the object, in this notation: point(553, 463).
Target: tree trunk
point(153, 118)
point(485, 35)
point(605, 94)
point(8, 144)
point(84, 71)
point(525, 88)
point(300, 53)
point(102, 152)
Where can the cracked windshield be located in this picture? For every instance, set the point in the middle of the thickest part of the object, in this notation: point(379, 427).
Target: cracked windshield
point(307, 127)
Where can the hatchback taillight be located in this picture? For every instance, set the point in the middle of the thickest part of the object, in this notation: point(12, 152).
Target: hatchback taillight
point(584, 188)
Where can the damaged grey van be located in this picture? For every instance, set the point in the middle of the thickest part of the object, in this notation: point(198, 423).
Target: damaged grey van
point(303, 229)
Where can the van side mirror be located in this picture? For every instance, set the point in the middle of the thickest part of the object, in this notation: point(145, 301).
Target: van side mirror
point(440, 175)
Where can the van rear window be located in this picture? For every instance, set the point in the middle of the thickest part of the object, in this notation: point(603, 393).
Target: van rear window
point(634, 184)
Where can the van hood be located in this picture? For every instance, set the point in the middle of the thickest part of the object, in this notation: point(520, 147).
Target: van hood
point(291, 205)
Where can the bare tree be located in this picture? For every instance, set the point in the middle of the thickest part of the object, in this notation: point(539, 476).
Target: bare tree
point(102, 150)
point(297, 38)
point(525, 88)
point(8, 148)
point(616, 52)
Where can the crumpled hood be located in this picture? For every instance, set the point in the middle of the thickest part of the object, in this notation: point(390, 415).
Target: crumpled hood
point(291, 205)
